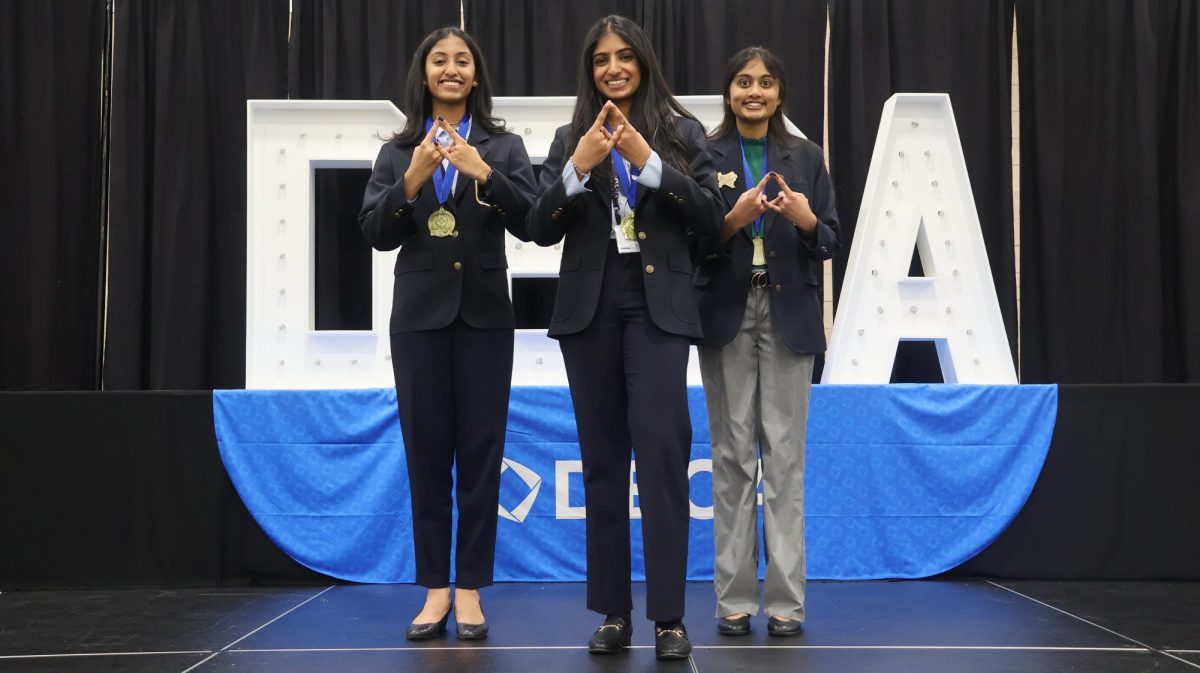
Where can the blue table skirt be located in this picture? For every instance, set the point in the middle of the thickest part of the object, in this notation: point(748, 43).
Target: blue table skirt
point(902, 481)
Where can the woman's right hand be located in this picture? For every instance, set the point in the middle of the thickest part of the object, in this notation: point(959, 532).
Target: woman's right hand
point(748, 208)
point(595, 145)
point(425, 160)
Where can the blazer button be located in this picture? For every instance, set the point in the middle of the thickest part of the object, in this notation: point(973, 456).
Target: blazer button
point(649, 268)
point(500, 210)
point(454, 234)
point(458, 266)
point(398, 214)
point(772, 253)
point(641, 235)
point(778, 287)
point(555, 215)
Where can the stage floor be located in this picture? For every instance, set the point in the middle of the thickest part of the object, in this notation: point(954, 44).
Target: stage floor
point(925, 626)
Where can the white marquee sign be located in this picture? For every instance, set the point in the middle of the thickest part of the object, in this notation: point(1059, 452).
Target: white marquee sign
point(918, 194)
point(286, 141)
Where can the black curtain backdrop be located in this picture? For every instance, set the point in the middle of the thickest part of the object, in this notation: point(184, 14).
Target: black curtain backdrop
point(51, 87)
point(881, 47)
point(177, 248)
point(358, 49)
point(1111, 184)
point(695, 38)
point(532, 47)
point(1110, 190)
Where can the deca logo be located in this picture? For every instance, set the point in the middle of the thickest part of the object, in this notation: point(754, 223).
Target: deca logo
point(531, 480)
point(524, 490)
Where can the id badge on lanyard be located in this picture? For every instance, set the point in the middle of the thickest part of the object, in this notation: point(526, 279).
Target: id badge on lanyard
point(622, 217)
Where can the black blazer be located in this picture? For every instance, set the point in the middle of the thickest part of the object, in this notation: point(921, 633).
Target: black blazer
point(438, 279)
point(668, 218)
point(793, 259)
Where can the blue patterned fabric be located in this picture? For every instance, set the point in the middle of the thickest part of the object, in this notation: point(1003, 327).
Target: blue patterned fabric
point(902, 481)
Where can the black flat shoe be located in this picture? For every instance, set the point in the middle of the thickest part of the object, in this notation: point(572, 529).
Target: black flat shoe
point(734, 626)
point(671, 642)
point(784, 627)
point(612, 636)
point(417, 631)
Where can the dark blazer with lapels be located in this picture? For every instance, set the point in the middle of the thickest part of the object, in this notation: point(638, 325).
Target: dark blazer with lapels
point(793, 259)
point(666, 219)
point(440, 278)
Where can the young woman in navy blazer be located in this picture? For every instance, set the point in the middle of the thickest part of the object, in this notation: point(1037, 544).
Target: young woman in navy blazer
point(444, 190)
point(629, 184)
point(761, 310)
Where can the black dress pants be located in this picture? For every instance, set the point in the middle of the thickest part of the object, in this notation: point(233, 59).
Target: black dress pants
point(452, 388)
point(628, 382)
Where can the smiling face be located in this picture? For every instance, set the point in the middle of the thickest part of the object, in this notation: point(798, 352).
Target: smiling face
point(450, 70)
point(615, 69)
point(753, 93)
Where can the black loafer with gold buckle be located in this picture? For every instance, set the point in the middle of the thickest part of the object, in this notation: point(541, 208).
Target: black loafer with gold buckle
point(671, 642)
point(612, 636)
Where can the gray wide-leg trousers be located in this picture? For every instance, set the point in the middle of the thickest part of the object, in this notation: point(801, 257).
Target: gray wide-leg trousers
point(757, 393)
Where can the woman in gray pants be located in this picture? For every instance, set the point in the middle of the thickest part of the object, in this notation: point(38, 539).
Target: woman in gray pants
point(760, 309)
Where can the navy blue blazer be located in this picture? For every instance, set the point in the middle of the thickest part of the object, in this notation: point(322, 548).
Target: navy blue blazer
point(667, 219)
point(439, 278)
point(793, 259)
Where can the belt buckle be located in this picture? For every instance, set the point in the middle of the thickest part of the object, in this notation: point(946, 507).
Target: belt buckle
point(758, 280)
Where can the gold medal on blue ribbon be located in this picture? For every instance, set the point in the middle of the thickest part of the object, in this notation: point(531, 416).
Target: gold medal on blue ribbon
point(441, 223)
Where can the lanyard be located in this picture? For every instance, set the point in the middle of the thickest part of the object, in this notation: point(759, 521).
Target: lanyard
point(750, 181)
point(623, 177)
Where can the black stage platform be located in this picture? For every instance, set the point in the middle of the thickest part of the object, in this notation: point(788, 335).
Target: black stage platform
point(926, 627)
point(107, 490)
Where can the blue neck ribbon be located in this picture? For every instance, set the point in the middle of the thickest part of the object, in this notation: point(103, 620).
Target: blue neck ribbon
point(443, 178)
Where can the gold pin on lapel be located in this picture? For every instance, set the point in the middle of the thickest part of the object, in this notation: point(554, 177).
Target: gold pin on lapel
point(727, 179)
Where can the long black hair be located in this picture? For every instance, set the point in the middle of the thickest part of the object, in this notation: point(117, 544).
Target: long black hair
point(654, 107)
point(776, 127)
point(418, 102)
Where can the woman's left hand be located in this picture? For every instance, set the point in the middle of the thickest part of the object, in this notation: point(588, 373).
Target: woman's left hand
point(632, 145)
point(463, 156)
point(793, 206)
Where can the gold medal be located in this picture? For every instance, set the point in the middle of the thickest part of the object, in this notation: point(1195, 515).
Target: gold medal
point(627, 227)
point(441, 223)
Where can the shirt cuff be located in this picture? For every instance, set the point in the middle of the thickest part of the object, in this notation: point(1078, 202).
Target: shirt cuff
point(571, 182)
point(651, 175)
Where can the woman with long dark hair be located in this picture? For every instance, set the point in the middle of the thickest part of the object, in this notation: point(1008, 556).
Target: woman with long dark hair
point(761, 309)
point(444, 190)
point(629, 184)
